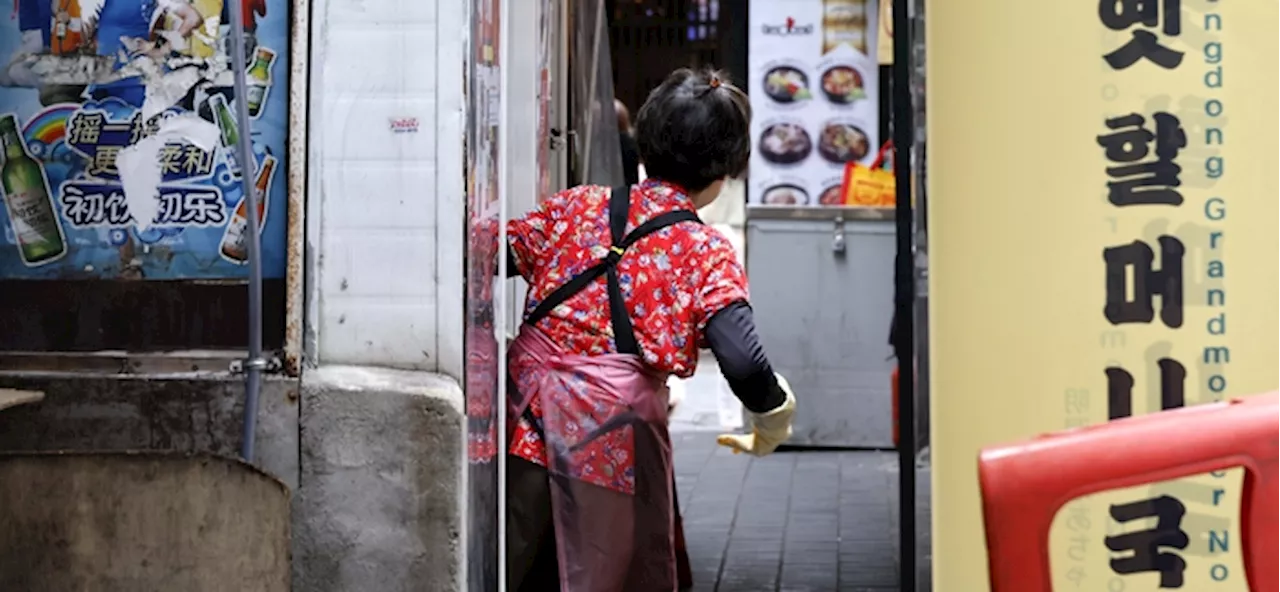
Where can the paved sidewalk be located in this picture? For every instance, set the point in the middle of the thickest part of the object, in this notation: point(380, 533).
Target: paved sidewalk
point(803, 521)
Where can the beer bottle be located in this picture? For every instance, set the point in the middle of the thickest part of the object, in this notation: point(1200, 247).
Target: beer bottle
point(36, 228)
point(226, 121)
point(65, 28)
point(235, 241)
point(259, 76)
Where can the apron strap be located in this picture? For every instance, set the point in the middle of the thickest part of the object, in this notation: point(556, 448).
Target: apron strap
point(619, 316)
point(624, 335)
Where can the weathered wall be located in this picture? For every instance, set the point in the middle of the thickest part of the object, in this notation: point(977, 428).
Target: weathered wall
point(385, 205)
point(380, 503)
point(375, 458)
point(141, 521)
point(380, 506)
point(182, 413)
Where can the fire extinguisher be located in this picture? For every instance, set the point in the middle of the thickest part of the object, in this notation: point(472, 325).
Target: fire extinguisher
point(896, 342)
point(894, 380)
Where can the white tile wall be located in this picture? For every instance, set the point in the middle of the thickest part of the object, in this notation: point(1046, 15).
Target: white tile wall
point(385, 210)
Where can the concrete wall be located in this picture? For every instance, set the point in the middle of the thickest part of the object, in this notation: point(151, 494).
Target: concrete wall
point(374, 457)
point(385, 207)
point(381, 495)
point(182, 413)
point(381, 502)
point(141, 521)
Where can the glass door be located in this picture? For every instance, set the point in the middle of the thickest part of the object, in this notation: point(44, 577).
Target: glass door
point(515, 150)
point(484, 323)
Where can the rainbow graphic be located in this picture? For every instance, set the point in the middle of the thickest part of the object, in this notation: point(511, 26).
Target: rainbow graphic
point(48, 127)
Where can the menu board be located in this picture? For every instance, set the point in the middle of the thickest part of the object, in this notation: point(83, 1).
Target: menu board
point(814, 87)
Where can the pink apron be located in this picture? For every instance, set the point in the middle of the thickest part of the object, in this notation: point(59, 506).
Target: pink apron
point(607, 538)
point(613, 532)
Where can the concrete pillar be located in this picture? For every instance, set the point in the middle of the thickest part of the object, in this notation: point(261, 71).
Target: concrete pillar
point(380, 504)
point(380, 500)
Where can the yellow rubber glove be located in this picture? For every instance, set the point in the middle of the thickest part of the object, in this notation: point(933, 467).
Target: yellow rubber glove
point(768, 430)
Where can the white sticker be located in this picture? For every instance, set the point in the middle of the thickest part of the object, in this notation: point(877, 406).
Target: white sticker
point(404, 125)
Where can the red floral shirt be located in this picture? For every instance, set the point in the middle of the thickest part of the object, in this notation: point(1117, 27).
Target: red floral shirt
point(673, 280)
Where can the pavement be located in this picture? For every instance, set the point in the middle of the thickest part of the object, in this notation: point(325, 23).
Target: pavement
point(795, 521)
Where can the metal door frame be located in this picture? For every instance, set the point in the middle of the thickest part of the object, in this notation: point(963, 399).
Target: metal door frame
point(904, 288)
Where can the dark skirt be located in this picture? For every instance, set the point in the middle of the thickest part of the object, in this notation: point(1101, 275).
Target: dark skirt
point(532, 565)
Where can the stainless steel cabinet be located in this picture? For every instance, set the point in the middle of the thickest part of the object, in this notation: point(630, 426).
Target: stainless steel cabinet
point(822, 291)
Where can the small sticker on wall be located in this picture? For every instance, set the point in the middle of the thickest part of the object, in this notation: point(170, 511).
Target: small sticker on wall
point(404, 125)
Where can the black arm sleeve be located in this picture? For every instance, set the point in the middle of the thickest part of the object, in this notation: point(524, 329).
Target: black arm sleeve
point(512, 270)
point(731, 333)
point(511, 264)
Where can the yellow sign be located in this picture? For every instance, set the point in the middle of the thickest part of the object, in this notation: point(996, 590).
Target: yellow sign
point(1103, 240)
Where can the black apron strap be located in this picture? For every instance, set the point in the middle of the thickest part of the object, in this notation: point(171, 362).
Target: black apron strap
point(624, 335)
point(620, 317)
point(619, 213)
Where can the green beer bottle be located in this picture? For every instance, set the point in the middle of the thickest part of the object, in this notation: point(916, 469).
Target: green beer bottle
point(26, 198)
point(230, 131)
point(259, 78)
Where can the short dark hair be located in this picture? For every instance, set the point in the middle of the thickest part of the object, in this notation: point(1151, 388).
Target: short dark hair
point(694, 129)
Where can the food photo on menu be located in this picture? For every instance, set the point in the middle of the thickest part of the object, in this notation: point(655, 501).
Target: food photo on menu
point(786, 84)
point(842, 142)
point(843, 85)
point(785, 143)
point(786, 195)
point(833, 195)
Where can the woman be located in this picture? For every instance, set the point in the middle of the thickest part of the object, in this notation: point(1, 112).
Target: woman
point(625, 286)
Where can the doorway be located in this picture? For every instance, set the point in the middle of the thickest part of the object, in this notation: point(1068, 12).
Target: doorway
point(800, 519)
point(649, 38)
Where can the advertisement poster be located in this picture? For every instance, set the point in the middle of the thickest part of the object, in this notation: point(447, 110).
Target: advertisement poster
point(814, 87)
point(1103, 244)
point(119, 139)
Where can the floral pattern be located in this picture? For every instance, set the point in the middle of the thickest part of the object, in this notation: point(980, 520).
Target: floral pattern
point(673, 281)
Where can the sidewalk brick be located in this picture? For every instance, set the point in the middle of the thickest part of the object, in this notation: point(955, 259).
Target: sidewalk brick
point(810, 521)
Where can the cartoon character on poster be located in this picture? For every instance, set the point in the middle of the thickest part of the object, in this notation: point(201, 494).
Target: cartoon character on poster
point(122, 160)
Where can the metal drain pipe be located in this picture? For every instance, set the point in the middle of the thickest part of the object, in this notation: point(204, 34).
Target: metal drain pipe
point(255, 364)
